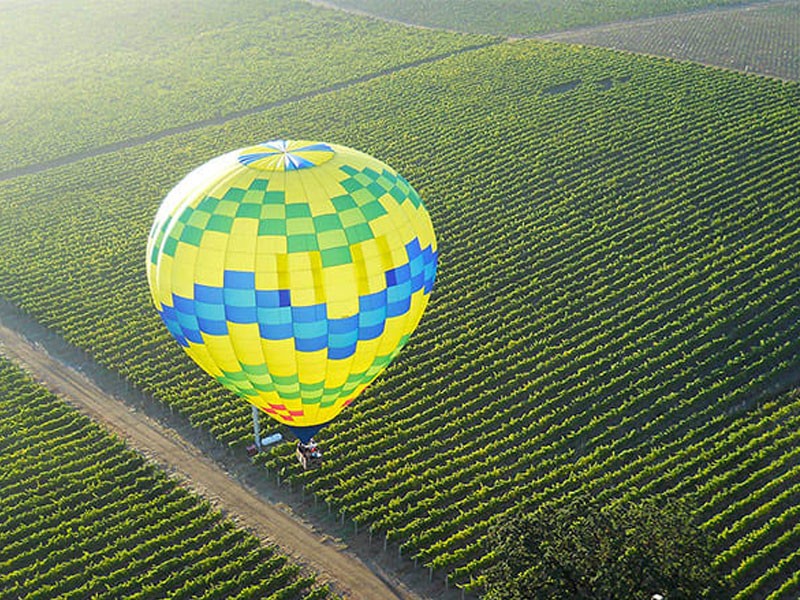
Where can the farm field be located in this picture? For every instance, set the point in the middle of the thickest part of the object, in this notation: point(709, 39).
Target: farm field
point(107, 71)
point(83, 516)
point(757, 39)
point(616, 310)
point(522, 17)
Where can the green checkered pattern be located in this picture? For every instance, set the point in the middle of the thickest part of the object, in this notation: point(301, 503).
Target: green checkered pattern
point(330, 234)
point(254, 379)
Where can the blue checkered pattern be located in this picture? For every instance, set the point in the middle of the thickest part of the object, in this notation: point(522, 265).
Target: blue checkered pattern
point(238, 301)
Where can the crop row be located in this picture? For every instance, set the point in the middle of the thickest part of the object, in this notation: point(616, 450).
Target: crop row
point(760, 39)
point(82, 516)
point(130, 69)
point(696, 316)
point(617, 296)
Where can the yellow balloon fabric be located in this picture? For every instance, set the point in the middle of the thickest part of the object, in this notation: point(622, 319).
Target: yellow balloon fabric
point(292, 272)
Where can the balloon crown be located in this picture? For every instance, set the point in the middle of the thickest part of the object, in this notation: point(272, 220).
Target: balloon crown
point(286, 155)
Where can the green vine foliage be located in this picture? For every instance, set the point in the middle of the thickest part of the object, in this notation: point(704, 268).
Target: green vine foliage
point(617, 299)
point(77, 75)
point(82, 516)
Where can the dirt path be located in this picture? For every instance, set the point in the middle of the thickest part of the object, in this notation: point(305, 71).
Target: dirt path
point(363, 13)
point(347, 574)
point(567, 35)
point(557, 35)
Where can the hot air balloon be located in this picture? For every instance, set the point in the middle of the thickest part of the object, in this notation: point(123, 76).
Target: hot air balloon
point(292, 272)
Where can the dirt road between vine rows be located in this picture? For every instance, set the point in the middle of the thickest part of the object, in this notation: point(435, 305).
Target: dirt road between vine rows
point(347, 574)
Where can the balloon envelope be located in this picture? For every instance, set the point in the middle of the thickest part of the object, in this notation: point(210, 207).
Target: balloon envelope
point(292, 272)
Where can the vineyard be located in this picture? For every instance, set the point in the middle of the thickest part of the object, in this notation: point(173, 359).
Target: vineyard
point(762, 39)
point(124, 70)
point(522, 17)
point(82, 516)
point(616, 310)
